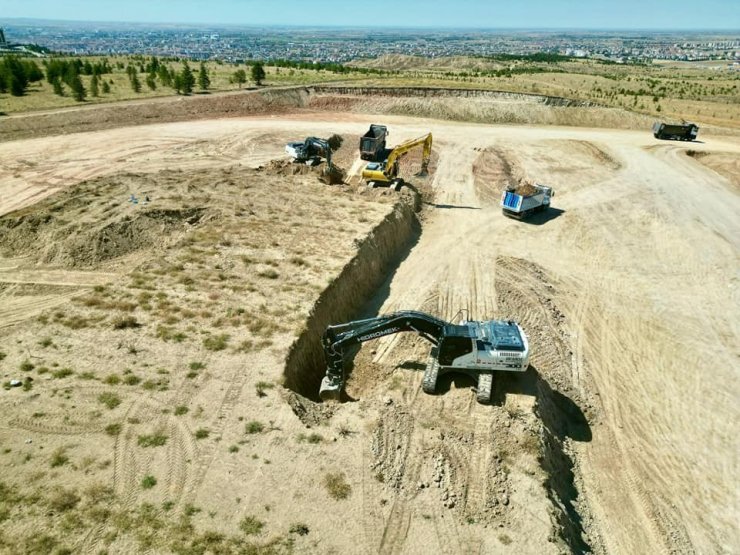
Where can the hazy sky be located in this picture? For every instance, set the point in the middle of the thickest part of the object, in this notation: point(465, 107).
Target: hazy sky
point(572, 14)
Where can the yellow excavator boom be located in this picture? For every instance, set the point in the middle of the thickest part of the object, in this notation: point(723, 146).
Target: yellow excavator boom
point(387, 171)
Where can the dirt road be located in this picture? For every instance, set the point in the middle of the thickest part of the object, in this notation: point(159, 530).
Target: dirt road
point(628, 289)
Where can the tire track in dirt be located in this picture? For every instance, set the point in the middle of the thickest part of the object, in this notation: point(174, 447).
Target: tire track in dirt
point(17, 309)
point(225, 410)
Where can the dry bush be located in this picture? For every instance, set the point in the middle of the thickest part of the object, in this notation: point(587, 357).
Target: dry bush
point(337, 486)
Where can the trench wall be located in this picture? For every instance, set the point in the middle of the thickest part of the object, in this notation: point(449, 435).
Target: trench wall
point(347, 295)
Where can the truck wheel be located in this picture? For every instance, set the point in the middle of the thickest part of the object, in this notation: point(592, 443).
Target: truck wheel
point(485, 388)
point(429, 383)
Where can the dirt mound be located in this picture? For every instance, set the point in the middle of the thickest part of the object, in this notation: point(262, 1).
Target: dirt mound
point(67, 231)
point(330, 175)
point(494, 170)
point(727, 164)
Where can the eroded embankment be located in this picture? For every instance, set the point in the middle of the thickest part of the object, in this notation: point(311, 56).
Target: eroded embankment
point(528, 293)
point(427, 92)
point(158, 110)
point(348, 294)
point(478, 106)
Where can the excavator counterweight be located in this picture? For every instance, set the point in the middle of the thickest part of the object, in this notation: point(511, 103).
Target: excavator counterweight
point(476, 348)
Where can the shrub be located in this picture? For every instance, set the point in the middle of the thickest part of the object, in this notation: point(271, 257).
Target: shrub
point(26, 366)
point(125, 322)
point(62, 373)
point(62, 500)
point(113, 379)
point(201, 433)
point(59, 458)
point(113, 429)
point(109, 399)
point(132, 379)
point(337, 485)
point(251, 525)
point(261, 388)
point(299, 528)
point(216, 342)
point(254, 427)
point(196, 366)
point(180, 410)
point(153, 440)
point(148, 482)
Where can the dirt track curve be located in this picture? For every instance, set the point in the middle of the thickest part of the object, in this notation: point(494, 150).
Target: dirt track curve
point(628, 289)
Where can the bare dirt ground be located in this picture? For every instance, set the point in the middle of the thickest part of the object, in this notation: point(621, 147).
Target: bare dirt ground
point(619, 439)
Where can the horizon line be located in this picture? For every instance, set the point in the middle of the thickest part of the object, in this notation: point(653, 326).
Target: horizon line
point(389, 27)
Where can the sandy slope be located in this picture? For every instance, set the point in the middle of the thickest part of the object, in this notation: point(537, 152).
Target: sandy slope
point(641, 261)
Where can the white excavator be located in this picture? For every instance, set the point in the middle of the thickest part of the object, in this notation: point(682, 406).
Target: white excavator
point(477, 349)
point(385, 174)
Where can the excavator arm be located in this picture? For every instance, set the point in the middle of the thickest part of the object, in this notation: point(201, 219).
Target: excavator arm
point(388, 170)
point(337, 338)
point(404, 148)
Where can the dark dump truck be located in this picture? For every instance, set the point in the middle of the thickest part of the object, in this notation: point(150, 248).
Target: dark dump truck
point(372, 143)
point(676, 132)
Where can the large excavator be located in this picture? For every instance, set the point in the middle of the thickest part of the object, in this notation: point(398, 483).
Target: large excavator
point(310, 152)
point(474, 348)
point(386, 173)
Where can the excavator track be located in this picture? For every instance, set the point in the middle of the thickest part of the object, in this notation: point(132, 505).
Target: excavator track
point(485, 389)
point(429, 384)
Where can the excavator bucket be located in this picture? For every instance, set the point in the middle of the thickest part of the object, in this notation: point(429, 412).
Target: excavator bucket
point(329, 391)
point(332, 175)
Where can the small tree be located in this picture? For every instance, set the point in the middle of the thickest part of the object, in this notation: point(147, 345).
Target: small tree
point(150, 82)
point(258, 73)
point(78, 90)
point(187, 78)
point(135, 83)
point(106, 87)
point(94, 87)
point(239, 77)
point(203, 80)
point(177, 83)
point(57, 86)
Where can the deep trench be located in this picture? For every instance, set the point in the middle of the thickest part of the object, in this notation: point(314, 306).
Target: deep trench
point(356, 292)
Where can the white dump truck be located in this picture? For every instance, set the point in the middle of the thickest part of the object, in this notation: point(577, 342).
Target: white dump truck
point(523, 200)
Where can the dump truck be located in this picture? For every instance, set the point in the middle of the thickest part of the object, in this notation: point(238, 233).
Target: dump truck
point(676, 132)
point(520, 201)
point(475, 348)
point(372, 143)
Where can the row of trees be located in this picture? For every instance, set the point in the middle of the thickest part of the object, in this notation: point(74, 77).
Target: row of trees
point(17, 74)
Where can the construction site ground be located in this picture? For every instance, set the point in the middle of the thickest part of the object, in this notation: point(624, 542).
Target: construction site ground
point(156, 334)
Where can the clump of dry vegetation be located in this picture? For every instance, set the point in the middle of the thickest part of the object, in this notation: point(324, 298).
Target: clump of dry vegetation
point(337, 486)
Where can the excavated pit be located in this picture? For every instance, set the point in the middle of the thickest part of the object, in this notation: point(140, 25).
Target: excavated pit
point(346, 297)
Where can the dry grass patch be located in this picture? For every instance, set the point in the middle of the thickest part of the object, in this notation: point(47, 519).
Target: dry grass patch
point(336, 485)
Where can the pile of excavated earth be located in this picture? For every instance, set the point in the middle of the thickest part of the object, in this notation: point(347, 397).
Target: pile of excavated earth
point(164, 287)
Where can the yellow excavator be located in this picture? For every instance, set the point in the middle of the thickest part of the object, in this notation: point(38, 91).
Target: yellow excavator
point(385, 174)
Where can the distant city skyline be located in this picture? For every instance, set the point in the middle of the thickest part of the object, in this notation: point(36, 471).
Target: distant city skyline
point(477, 14)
